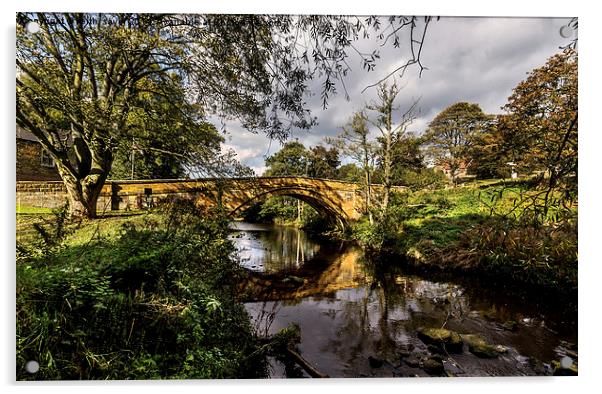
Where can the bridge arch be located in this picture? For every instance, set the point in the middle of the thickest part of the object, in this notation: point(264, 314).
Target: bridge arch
point(320, 202)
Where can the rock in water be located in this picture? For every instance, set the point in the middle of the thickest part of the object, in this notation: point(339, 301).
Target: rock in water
point(433, 366)
point(375, 362)
point(480, 348)
point(510, 325)
point(561, 370)
point(412, 362)
point(447, 340)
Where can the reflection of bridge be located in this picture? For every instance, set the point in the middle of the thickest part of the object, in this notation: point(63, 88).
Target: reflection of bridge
point(337, 199)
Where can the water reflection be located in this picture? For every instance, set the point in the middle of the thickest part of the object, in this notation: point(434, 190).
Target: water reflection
point(270, 248)
point(350, 309)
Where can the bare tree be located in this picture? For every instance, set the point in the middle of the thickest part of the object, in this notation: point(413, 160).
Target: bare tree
point(390, 128)
point(354, 142)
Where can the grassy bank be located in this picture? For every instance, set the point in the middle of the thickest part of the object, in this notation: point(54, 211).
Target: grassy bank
point(476, 229)
point(144, 296)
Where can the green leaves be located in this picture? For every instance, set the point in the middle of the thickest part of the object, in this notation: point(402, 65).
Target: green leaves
point(157, 301)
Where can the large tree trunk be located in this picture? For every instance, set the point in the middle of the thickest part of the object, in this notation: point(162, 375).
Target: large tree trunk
point(83, 190)
point(83, 195)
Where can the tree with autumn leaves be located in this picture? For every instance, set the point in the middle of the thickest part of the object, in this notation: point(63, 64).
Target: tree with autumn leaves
point(540, 130)
point(537, 133)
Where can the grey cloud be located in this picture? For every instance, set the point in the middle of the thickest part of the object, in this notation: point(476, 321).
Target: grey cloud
point(469, 59)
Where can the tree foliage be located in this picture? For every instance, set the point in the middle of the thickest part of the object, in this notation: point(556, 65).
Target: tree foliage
point(487, 159)
point(451, 136)
point(291, 160)
point(540, 130)
point(323, 162)
point(350, 172)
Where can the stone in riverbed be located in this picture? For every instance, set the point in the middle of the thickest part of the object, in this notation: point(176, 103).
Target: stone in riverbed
point(433, 366)
point(510, 325)
point(441, 338)
point(480, 348)
point(375, 362)
point(563, 370)
point(435, 349)
point(293, 279)
point(412, 362)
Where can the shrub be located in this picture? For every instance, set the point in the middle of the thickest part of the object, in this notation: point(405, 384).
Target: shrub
point(154, 302)
point(540, 255)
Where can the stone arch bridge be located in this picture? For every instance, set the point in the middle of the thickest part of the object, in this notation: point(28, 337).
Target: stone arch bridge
point(337, 199)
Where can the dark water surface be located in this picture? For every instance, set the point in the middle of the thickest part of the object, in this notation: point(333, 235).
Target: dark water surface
point(351, 312)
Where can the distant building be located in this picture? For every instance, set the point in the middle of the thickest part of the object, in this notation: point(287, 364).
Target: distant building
point(34, 163)
point(444, 166)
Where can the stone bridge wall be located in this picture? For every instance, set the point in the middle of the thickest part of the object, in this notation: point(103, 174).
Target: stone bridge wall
point(343, 199)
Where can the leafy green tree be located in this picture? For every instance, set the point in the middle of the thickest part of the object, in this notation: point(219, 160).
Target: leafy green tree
point(406, 156)
point(136, 164)
point(323, 163)
point(82, 79)
point(488, 157)
point(408, 166)
point(450, 137)
point(165, 137)
point(292, 159)
point(350, 172)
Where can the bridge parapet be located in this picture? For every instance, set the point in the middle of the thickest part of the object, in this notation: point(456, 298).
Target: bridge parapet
point(342, 199)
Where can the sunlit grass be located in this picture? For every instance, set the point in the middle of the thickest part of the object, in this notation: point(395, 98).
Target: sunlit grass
point(81, 231)
point(29, 210)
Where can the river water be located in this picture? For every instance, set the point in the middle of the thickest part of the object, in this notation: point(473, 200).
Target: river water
point(360, 319)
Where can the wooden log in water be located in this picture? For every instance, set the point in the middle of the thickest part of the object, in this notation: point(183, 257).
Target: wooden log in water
point(296, 357)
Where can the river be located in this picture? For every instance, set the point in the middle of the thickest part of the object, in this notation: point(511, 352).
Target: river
point(360, 319)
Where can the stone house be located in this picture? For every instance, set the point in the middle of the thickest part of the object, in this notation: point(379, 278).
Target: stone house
point(33, 161)
point(443, 166)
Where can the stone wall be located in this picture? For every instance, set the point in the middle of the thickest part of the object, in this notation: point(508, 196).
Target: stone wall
point(115, 195)
point(29, 163)
point(51, 194)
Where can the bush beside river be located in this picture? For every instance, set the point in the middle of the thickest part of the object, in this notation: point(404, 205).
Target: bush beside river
point(148, 296)
point(468, 229)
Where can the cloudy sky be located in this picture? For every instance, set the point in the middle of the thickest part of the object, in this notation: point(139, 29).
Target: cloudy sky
point(477, 60)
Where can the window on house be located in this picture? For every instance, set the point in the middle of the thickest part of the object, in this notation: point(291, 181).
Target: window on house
point(46, 159)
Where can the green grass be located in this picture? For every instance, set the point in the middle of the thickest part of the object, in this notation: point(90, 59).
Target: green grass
point(82, 231)
point(440, 216)
point(30, 210)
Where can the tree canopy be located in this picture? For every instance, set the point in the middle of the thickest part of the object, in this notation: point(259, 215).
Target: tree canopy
point(292, 159)
point(540, 129)
point(451, 135)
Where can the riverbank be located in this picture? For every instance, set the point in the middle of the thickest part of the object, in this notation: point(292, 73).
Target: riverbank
point(462, 230)
point(144, 296)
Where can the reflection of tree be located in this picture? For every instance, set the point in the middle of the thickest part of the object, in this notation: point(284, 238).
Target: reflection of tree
point(263, 320)
point(287, 248)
